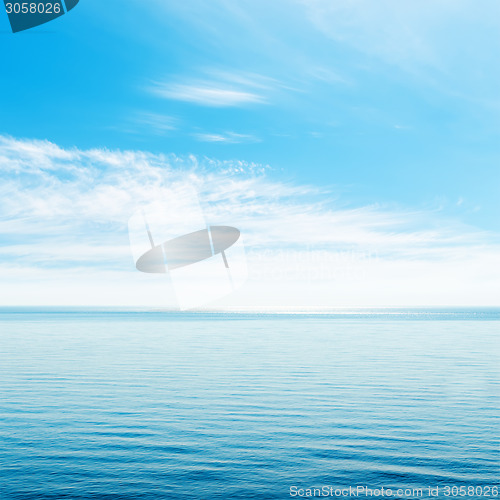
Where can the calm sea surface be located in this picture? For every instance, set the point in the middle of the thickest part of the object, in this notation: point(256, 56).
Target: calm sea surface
point(161, 405)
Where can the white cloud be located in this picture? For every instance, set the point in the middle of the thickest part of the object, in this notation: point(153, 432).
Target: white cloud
point(446, 45)
point(63, 227)
point(397, 31)
point(226, 137)
point(217, 88)
point(206, 94)
point(451, 45)
point(155, 122)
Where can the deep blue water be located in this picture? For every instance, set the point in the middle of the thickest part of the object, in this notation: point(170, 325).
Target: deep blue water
point(162, 405)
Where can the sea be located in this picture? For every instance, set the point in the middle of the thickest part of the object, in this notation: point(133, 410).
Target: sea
point(151, 404)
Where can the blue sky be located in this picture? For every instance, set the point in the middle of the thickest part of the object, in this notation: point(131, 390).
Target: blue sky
point(387, 110)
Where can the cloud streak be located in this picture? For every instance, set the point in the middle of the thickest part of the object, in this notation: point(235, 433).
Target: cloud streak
point(157, 123)
point(226, 137)
point(217, 88)
point(206, 93)
point(409, 35)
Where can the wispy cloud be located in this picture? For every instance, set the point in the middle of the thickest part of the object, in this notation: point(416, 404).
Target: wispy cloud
point(432, 40)
point(155, 122)
point(64, 214)
point(216, 89)
point(206, 94)
point(226, 137)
